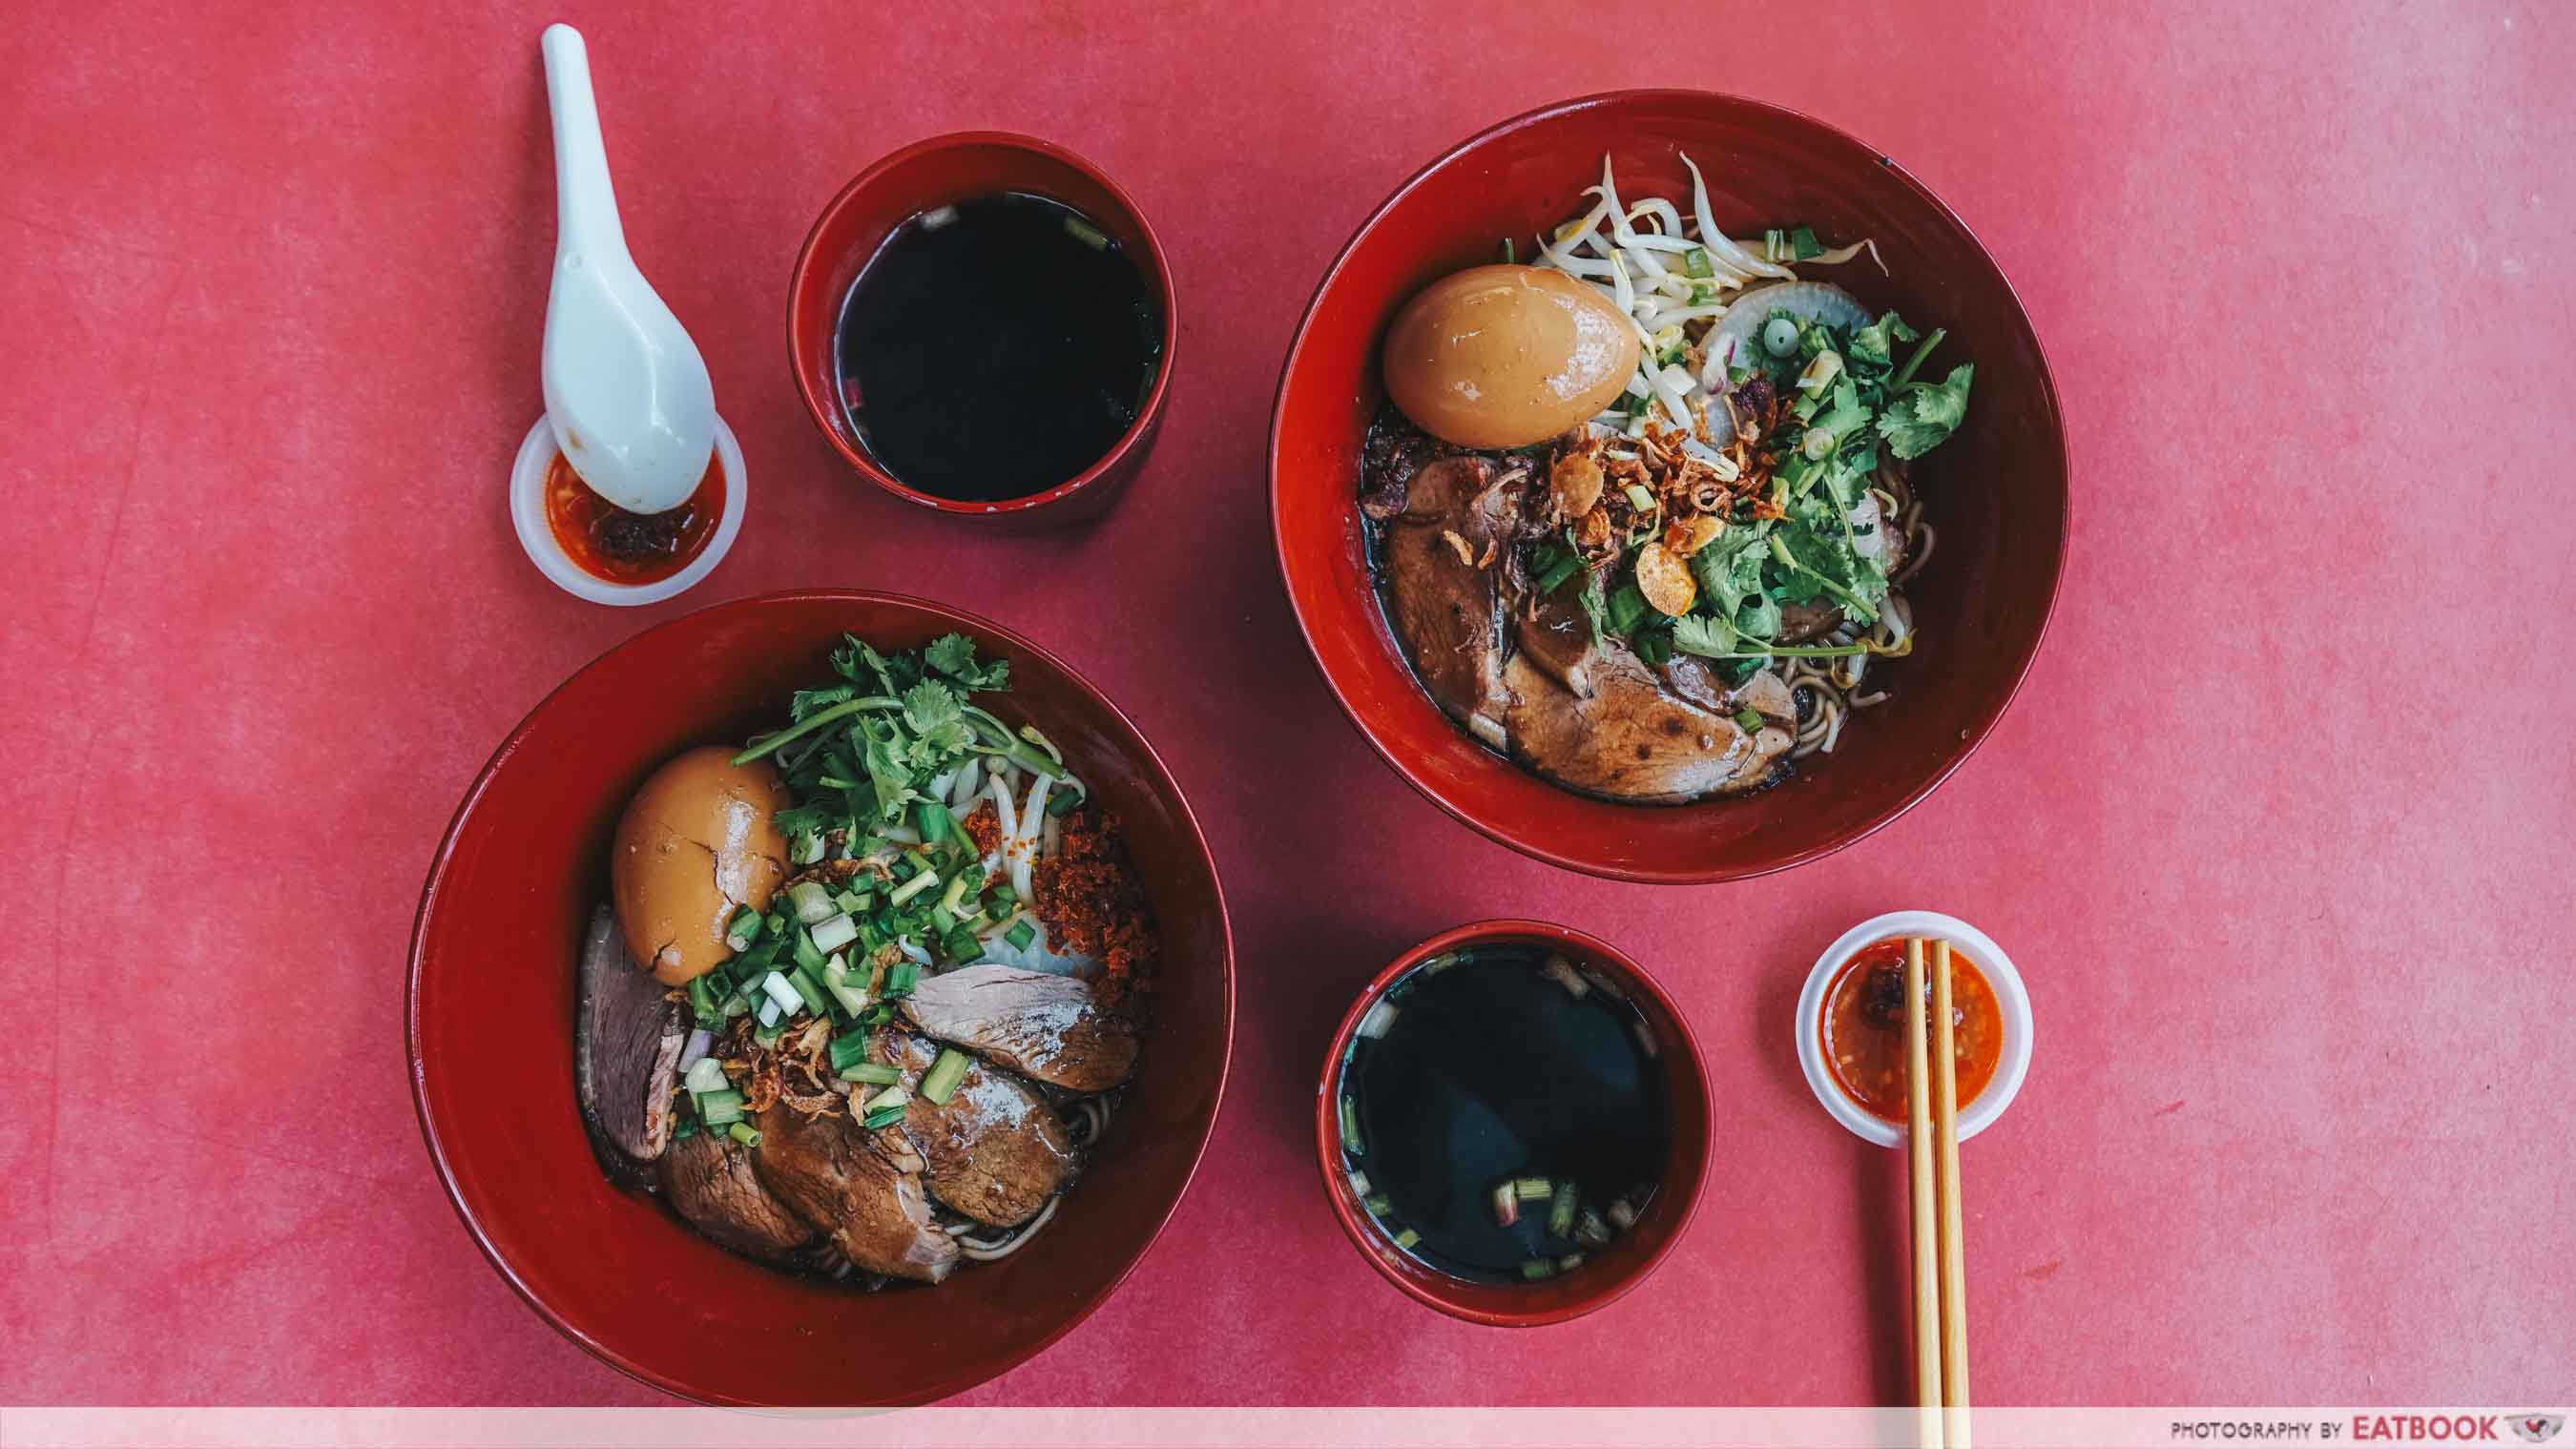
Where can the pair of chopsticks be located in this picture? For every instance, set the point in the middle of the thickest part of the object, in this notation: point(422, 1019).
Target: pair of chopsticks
point(1940, 1264)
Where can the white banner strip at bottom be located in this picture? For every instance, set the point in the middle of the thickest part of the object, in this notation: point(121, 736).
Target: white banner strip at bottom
point(1270, 1428)
point(1253, 1427)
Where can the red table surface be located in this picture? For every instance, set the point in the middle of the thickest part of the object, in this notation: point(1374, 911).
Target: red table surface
point(2278, 830)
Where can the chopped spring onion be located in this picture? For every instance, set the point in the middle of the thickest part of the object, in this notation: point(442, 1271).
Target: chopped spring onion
point(853, 902)
point(806, 953)
point(937, 217)
point(1087, 234)
point(1558, 572)
point(891, 1097)
point(1560, 1210)
point(1377, 1204)
point(874, 1074)
point(809, 847)
point(1591, 1231)
point(683, 1130)
point(1803, 243)
point(1531, 1189)
point(1569, 1262)
point(934, 821)
point(1020, 936)
point(768, 1015)
point(899, 981)
point(1622, 1216)
point(1359, 1183)
point(1695, 263)
point(1002, 894)
point(1407, 1238)
point(1537, 1268)
point(718, 1108)
point(846, 989)
point(1507, 1205)
point(1445, 960)
point(740, 931)
point(940, 1082)
point(1638, 495)
point(809, 990)
point(1065, 802)
point(954, 901)
point(1350, 1127)
point(834, 933)
point(912, 887)
point(849, 1049)
point(1780, 337)
point(706, 1075)
point(885, 1118)
point(1381, 1016)
point(781, 995)
point(1750, 719)
point(812, 901)
point(744, 1133)
point(1562, 972)
point(702, 1001)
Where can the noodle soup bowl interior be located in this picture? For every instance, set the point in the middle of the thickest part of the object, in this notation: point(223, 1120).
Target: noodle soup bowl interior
point(924, 176)
point(1995, 493)
point(490, 1014)
point(1607, 1273)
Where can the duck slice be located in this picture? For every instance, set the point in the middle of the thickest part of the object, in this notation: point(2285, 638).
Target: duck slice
point(1446, 610)
point(994, 1151)
point(714, 1186)
point(1050, 1028)
point(626, 1054)
point(1630, 737)
point(835, 1176)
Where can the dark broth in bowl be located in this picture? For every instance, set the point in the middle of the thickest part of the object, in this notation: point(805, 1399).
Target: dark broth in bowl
point(996, 348)
point(1503, 1113)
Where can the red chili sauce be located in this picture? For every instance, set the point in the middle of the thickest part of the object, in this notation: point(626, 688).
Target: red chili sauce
point(607, 542)
point(1864, 1023)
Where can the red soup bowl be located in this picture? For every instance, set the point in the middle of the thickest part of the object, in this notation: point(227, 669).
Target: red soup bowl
point(935, 173)
point(1996, 493)
point(1606, 1275)
point(490, 1016)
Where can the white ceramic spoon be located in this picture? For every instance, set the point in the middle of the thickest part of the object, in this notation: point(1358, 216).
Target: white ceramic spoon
point(626, 391)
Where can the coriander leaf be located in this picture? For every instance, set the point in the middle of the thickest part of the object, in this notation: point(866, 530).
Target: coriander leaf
point(954, 656)
point(811, 818)
point(1923, 416)
point(1729, 570)
point(1876, 343)
point(1594, 605)
point(1758, 622)
point(810, 702)
point(1702, 635)
point(930, 703)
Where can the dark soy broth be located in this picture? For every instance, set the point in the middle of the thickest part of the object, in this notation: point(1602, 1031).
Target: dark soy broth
point(1493, 1070)
point(996, 348)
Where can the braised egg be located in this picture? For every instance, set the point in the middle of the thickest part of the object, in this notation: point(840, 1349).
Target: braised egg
point(1505, 356)
point(699, 841)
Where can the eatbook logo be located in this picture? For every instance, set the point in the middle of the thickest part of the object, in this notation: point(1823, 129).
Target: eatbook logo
point(2537, 1428)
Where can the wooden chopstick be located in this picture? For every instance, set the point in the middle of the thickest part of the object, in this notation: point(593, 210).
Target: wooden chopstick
point(1927, 1293)
point(1954, 1262)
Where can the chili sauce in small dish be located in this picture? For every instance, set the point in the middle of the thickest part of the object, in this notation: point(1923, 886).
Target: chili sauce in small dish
point(1503, 1114)
point(1863, 1027)
point(996, 348)
point(607, 542)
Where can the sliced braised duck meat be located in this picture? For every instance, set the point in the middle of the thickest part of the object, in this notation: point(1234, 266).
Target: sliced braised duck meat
point(1629, 739)
point(1555, 636)
point(830, 1170)
point(1047, 1027)
point(1806, 623)
point(994, 1151)
point(1446, 609)
point(713, 1185)
point(626, 1052)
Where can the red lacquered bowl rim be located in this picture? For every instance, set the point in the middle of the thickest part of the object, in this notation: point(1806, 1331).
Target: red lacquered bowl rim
point(1536, 845)
point(805, 276)
point(1328, 1157)
point(1009, 1358)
